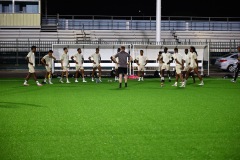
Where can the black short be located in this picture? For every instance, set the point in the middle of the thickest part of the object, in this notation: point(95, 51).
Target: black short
point(122, 70)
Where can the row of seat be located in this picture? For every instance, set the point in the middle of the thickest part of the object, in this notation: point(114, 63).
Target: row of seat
point(119, 35)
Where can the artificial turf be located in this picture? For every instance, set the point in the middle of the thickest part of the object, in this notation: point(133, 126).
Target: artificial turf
point(99, 121)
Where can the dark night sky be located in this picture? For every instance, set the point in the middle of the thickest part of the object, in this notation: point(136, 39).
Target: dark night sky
point(202, 8)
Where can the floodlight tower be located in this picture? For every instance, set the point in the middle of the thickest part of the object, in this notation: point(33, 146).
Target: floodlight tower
point(158, 21)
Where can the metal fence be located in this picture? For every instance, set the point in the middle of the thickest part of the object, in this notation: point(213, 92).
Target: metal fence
point(98, 22)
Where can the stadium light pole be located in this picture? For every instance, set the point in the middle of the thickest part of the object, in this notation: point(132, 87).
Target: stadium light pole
point(158, 21)
point(46, 9)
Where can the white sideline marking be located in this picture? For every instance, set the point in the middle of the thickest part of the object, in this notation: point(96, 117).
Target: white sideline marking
point(3, 80)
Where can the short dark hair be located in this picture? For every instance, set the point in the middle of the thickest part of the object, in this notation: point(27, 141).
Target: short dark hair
point(78, 49)
point(64, 48)
point(50, 51)
point(119, 49)
point(176, 49)
point(33, 47)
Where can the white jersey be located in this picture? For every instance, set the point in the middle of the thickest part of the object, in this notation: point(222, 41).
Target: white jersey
point(166, 57)
point(31, 57)
point(142, 60)
point(96, 57)
point(78, 58)
point(178, 57)
point(186, 58)
point(65, 59)
point(193, 56)
point(48, 60)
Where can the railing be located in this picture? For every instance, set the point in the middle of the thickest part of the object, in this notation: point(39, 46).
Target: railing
point(99, 22)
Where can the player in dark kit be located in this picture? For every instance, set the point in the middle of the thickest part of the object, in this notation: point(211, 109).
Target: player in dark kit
point(124, 60)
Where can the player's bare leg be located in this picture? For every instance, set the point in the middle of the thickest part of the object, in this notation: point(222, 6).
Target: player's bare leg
point(169, 76)
point(176, 80)
point(100, 73)
point(199, 76)
point(162, 77)
point(67, 77)
point(83, 78)
point(27, 78)
point(76, 76)
point(35, 78)
point(93, 72)
point(120, 80)
point(61, 79)
point(125, 79)
point(139, 75)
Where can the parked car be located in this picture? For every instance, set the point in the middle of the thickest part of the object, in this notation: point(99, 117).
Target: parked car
point(226, 62)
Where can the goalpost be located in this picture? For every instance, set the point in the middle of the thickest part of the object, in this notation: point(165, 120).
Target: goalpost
point(151, 51)
point(107, 50)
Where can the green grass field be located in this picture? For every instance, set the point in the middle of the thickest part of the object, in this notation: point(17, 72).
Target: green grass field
point(99, 121)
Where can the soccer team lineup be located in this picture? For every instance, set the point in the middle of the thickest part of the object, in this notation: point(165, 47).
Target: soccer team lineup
point(185, 65)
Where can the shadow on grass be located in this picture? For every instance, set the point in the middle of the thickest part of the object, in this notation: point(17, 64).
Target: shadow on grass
point(16, 105)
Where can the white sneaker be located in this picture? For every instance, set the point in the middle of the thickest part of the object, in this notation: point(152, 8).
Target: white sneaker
point(50, 82)
point(201, 84)
point(183, 85)
point(61, 80)
point(142, 78)
point(84, 81)
point(162, 84)
point(139, 79)
point(68, 82)
point(39, 84)
point(174, 85)
point(100, 80)
point(92, 80)
point(76, 81)
point(233, 81)
point(25, 84)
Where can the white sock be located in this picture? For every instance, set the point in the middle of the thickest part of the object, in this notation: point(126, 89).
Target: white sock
point(25, 81)
point(37, 82)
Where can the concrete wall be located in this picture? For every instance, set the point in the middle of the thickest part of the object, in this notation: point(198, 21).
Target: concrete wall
point(20, 20)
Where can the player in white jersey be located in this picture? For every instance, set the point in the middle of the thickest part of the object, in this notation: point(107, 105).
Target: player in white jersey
point(95, 58)
point(166, 59)
point(186, 58)
point(179, 64)
point(193, 65)
point(141, 61)
point(159, 60)
point(47, 61)
point(65, 64)
point(31, 66)
point(78, 59)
